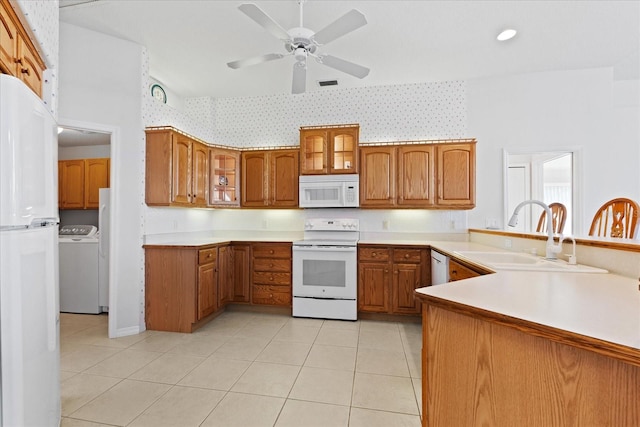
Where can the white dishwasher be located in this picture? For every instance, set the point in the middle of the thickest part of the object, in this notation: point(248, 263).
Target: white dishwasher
point(439, 268)
point(79, 273)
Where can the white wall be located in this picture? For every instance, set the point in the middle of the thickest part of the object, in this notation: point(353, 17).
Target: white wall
point(555, 110)
point(101, 82)
point(84, 152)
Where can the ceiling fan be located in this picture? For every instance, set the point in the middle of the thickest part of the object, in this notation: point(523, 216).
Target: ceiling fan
point(302, 42)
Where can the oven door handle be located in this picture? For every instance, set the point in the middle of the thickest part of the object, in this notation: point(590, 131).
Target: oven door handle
point(323, 248)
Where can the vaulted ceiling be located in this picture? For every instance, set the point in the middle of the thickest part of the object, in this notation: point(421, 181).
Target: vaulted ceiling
point(190, 42)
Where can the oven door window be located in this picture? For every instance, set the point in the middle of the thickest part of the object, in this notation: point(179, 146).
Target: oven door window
point(323, 273)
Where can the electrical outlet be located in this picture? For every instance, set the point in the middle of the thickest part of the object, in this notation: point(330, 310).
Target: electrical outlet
point(507, 243)
point(385, 224)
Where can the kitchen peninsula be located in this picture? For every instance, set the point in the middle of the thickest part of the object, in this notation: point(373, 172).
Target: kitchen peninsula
point(530, 349)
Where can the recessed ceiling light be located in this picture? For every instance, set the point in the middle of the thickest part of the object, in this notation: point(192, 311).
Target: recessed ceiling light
point(506, 34)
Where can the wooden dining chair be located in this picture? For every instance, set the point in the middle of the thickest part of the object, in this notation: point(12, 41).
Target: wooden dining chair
point(616, 218)
point(558, 216)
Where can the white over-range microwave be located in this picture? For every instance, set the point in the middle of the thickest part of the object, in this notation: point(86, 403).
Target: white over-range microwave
point(329, 191)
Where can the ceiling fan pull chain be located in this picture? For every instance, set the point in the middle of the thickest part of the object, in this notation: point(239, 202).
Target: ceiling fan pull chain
point(301, 3)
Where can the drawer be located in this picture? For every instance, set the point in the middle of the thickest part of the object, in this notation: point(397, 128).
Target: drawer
point(272, 264)
point(272, 251)
point(272, 295)
point(268, 278)
point(407, 255)
point(207, 256)
point(374, 254)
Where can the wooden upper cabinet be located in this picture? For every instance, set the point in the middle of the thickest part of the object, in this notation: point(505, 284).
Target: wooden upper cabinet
point(255, 192)
point(283, 178)
point(416, 177)
point(456, 166)
point(397, 176)
point(96, 176)
point(71, 182)
point(181, 169)
point(329, 150)
point(270, 178)
point(224, 187)
point(199, 174)
point(8, 41)
point(18, 55)
point(79, 182)
point(378, 176)
point(177, 170)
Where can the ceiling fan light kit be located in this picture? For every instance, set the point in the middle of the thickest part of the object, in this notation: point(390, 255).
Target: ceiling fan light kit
point(302, 42)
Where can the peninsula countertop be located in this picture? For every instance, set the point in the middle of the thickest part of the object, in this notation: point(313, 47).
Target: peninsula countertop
point(599, 311)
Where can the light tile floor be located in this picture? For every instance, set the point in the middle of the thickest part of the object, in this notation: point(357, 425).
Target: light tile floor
point(242, 369)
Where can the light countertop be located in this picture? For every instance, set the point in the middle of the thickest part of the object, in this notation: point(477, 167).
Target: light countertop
point(601, 306)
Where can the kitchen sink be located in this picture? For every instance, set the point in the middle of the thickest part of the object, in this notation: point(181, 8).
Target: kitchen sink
point(525, 262)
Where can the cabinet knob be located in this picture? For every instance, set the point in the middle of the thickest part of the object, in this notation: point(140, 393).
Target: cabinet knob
point(271, 278)
point(25, 71)
point(386, 271)
point(18, 61)
point(271, 265)
point(374, 254)
point(271, 251)
point(208, 255)
point(270, 295)
point(406, 255)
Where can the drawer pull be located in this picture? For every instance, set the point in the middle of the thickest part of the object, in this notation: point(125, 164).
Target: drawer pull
point(25, 71)
point(271, 265)
point(374, 254)
point(406, 255)
point(271, 278)
point(271, 251)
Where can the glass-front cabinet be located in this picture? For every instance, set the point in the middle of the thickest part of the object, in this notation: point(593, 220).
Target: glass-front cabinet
point(225, 182)
point(329, 149)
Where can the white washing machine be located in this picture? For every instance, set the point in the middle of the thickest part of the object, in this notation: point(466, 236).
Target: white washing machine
point(79, 269)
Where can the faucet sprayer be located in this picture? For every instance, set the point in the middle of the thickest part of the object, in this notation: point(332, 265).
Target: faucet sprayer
point(552, 248)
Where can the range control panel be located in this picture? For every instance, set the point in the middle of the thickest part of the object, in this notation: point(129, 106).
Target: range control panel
point(332, 224)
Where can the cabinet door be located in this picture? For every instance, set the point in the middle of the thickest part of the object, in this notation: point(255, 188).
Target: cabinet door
point(415, 176)
point(406, 278)
point(225, 275)
point(224, 187)
point(199, 174)
point(377, 177)
point(456, 175)
point(343, 150)
point(240, 286)
point(458, 271)
point(207, 290)
point(181, 169)
point(96, 176)
point(8, 41)
point(373, 287)
point(284, 178)
point(72, 184)
point(313, 152)
point(29, 67)
point(255, 191)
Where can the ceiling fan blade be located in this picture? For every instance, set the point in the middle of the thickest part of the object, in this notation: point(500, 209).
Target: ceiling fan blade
point(348, 22)
point(299, 77)
point(253, 61)
point(345, 66)
point(255, 13)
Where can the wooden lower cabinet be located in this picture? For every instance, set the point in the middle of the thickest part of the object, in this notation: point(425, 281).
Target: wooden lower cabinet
point(478, 369)
point(240, 288)
point(388, 276)
point(459, 270)
point(271, 274)
point(180, 286)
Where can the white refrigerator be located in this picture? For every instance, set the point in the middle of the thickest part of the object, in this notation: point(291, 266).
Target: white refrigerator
point(29, 302)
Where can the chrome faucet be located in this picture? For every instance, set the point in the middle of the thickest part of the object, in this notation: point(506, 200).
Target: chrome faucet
point(572, 258)
point(552, 248)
